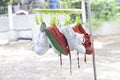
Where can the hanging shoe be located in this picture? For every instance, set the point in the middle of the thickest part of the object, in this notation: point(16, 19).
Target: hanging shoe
point(75, 40)
point(58, 40)
point(88, 43)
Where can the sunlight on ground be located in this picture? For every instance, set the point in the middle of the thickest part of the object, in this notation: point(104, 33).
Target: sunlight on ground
point(114, 51)
point(98, 45)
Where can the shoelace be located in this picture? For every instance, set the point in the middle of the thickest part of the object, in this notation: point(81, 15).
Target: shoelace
point(78, 59)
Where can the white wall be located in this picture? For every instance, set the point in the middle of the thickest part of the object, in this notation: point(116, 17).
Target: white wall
point(108, 28)
point(25, 26)
point(4, 25)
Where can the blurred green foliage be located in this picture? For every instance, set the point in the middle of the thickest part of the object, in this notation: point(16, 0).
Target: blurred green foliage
point(104, 11)
point(4, 3)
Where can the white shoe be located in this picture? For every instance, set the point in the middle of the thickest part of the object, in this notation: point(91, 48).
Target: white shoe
point(74, 40)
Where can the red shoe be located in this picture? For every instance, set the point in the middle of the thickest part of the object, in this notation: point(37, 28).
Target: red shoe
point(88, 43)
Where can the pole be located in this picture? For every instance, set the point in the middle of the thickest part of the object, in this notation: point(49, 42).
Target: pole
point(89, 16)
point(83, 11)
point(10, 17)
point(90, 27)
point(12, 34)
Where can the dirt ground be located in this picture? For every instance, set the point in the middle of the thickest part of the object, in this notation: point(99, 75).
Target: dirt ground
point(18, 61)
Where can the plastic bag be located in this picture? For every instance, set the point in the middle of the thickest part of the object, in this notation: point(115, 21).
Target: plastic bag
point(41, 45)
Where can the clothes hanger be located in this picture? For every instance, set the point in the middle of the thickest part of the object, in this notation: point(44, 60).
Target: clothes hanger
point(54, 19)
